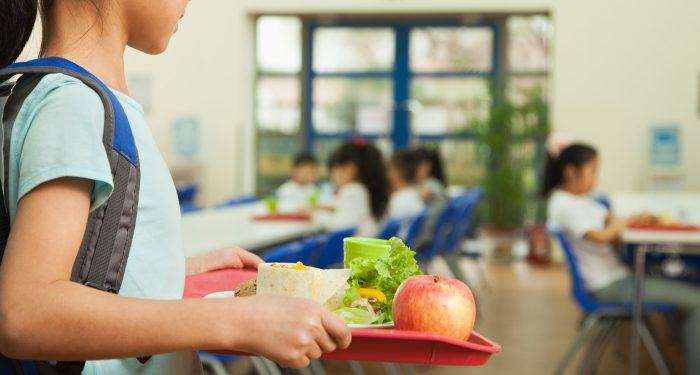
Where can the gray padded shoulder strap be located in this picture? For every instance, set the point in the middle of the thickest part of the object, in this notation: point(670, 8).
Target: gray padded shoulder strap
point(102, 257)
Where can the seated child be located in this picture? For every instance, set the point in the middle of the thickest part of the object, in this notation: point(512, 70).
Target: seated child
point(570, 178)
point(405, 200)
point(359, 175)
point(297, 193)
point(430, 177)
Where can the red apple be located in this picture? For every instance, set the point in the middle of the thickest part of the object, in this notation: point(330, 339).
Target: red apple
point(435, 304)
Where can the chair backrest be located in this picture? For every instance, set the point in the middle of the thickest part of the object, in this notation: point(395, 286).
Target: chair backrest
point(284, 253)
point(411, 228)
point(186, 208)
point(237, 201)
point(440, 236)
point(330, 252)
point(578, 288)
point(186, 193)
point(390, 229)
point(603, 200)
point(462, 219)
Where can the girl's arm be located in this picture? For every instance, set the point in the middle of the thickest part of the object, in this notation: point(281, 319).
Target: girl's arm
point(233, 257)
point(45, 316)
point(613, 228)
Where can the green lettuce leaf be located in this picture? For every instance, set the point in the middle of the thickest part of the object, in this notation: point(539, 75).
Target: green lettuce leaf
point(384, 273)
point(354, 315)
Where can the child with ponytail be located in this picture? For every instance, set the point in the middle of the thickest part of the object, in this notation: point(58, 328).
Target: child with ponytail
point(59, 173)
point(358, 172)
point(570, 178)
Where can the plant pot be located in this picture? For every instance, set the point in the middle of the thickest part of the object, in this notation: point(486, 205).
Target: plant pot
point(500, 240)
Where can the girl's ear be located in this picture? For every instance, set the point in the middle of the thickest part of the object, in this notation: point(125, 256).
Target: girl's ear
point(569, 172)
point(352, 169)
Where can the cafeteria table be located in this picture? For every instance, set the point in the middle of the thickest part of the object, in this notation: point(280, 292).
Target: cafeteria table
point(217, 228)
point(667, 241)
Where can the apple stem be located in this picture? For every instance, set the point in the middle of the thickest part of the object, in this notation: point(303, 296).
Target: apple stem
point(436, 278)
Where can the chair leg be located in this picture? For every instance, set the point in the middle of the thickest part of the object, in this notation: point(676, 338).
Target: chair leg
point(597, 349)
point(656, 356)
point(598, 335)
point(356, 368)
point(259, 365)
point(588, 324)
point(271, 368)
point(214, 364)
point(391, 368)
point(317, 368)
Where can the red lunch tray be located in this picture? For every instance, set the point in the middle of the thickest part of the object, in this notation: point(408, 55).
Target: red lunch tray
point(672, 228)
point(282, 217)
point(381, 345)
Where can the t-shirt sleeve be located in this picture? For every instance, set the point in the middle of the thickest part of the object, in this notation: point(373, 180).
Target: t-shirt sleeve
point(64, 139)
point(575, 220)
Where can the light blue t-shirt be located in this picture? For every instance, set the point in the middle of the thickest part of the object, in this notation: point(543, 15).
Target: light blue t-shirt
point(58, 133)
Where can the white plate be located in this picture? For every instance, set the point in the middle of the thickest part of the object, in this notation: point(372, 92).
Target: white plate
point(372, 326)
point(224, 294)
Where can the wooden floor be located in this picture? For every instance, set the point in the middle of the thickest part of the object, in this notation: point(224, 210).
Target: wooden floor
point(529, 312)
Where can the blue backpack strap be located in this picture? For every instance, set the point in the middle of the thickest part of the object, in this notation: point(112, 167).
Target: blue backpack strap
point(119, 136)
point(101, 260)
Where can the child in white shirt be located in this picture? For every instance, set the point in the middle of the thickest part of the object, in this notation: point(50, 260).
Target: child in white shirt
point(405, 200)
point(570, 178)
point(430, 177)
point(358, 172)
point(297, 193)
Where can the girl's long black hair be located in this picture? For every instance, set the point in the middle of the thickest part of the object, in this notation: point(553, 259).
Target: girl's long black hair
point(370, 169)
point(17, 19)
point(432, 156)
point(576, 154)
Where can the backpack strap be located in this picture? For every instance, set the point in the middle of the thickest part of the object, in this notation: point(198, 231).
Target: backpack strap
point(101, 259)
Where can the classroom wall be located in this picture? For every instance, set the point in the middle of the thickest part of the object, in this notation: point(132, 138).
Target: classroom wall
point(619, 66)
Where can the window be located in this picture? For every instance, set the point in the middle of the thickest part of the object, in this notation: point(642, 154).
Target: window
point(397, 83)
point(278, 98)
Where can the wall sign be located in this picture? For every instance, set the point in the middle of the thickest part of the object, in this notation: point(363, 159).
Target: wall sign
point(665, 145)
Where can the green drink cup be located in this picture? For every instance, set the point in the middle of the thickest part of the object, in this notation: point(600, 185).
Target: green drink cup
point(359, 247)
point(271, 204)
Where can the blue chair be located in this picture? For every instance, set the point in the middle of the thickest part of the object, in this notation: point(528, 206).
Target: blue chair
point(603, 200)
point(411, 228)
point(284, 253)
point(462, 218)
point(330, 251)
point(608, 316)
point(188, 207)
point(246, 199)
point(186, 192)
point(444, 225)
point(298, 251)
point(390, 229)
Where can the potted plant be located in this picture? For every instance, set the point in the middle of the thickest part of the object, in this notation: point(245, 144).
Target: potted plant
point(511, 144)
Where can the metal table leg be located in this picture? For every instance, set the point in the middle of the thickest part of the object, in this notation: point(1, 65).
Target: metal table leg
point(639, 260)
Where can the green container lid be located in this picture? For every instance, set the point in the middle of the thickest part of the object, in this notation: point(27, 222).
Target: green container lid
point(360, 247)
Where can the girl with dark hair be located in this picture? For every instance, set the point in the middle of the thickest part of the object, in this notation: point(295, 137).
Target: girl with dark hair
point(430, 177)
point(359, 175)
point(297, 193)
point(59, 172)
point(405, 200)
point(569, 180)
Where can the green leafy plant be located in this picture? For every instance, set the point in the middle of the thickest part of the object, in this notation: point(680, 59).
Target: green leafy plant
point(511, 142)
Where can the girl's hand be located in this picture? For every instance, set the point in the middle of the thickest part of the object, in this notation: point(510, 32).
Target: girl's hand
point(289, 331)
point(642, 219)
point(233, 257)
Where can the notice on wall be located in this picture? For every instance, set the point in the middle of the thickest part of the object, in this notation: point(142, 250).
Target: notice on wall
point(185, 133)
point(665, 145)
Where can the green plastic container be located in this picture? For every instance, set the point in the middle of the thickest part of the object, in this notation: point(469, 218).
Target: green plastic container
point(360, 247)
